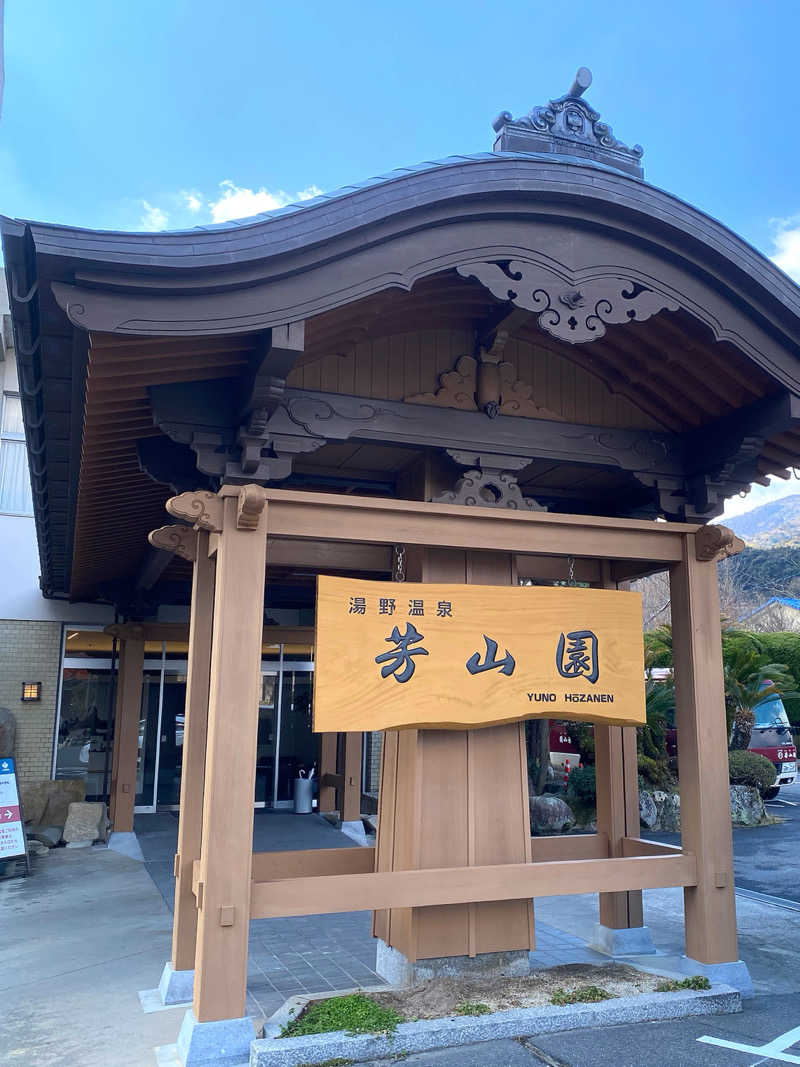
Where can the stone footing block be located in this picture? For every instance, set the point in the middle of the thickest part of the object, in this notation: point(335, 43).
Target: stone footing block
point(734, 974)
point(355, 829)
point(224, 1041)
point(629, 941)
point(398, 970)
point(176, 987)
point(126, 843)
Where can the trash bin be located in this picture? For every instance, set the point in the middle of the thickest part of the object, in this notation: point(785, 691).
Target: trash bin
point(303, 792)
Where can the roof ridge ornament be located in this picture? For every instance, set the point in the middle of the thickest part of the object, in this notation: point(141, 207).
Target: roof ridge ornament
point(568, 126)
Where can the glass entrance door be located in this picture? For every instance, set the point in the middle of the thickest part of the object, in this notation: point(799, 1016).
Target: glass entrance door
point(285, 742)
point(297, 746)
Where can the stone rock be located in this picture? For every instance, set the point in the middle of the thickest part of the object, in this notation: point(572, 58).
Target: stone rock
point(550, 815)
point(36, 848)
point(47, 835)
point(47, 803)
point(747, 806)
point(668, 806)
point(85, 822)
point(648, 812)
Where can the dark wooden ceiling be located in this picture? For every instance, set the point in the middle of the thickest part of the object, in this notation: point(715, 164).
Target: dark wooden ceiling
point(669, 368)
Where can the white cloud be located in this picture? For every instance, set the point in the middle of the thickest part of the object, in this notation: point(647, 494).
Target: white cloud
point(786, 241)
point(237, 202)
point(193, 201)
point(153, 218)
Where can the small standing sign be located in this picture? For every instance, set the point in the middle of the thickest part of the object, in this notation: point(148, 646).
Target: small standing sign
point(12, 830)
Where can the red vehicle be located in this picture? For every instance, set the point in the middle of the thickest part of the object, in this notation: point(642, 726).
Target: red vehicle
point(562, 746)
point(772, 737)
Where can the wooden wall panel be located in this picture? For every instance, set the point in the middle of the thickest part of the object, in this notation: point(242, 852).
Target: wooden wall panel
point(391, 368)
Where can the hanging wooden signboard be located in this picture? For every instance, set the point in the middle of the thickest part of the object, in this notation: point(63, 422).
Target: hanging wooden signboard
point(455, 656)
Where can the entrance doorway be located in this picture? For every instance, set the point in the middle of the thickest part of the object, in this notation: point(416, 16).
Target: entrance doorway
point(285, 740)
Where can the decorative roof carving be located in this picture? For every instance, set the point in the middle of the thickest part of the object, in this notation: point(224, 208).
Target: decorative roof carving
point(179, 539)
point(491, 482)
point(458, 388)
point(252, 499)
point(568, 126)
point(202, 509)
point(715, 542)
point(573, 310)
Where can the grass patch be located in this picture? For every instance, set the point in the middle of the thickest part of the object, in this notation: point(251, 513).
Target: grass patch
point(697, 981)
point(335, 1061)
point(356, 1013)
point(467, 1007)
point(590, 994)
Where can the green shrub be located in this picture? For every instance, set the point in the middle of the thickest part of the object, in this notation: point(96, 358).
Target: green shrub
point(469, 1008)
point(356, 1013)
point(582, 785)
point(785, 648)
point(749, 768)
point(697, 981)
point(590, 994)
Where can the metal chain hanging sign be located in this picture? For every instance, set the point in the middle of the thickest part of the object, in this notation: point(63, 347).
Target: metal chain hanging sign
point(456, 656)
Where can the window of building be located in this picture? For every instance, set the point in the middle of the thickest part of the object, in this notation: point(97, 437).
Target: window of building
point(15, 483)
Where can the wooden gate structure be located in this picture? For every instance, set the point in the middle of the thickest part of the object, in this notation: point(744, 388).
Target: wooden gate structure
point(527, 364)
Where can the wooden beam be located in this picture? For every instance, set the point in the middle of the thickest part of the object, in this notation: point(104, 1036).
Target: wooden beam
point(311, 863)
point(639, 846)
point(709, 905)
point(570, 847)
point(462, 885)
point(220, 983)
point(351, 793)
point(190, 823)
point(127, 713)
point(329, 780)
point(371, 520)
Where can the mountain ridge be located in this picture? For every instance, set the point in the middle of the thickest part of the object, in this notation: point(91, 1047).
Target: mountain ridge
point(769, 525)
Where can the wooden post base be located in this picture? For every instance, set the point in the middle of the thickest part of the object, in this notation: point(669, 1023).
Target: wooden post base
point(454, 798)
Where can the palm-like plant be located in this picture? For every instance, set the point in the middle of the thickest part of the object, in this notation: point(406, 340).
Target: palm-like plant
point(748, 682)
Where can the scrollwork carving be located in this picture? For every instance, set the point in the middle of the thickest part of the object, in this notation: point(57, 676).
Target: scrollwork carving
point(488, 489)
point(587, 306)
point(458, 389)
point(714, 542)
point(203, 510)
point(252, 499)
point(180, 540)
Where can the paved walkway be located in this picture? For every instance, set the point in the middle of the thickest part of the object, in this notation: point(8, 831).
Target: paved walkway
point(314, 953)
point(80, 938)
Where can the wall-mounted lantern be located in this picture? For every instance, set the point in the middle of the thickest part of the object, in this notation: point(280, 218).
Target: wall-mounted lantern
point(31, 691)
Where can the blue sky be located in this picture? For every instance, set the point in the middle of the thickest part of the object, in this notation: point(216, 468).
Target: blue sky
point(133, 114)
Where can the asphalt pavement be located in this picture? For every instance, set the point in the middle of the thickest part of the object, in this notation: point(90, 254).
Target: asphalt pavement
point(766, 858)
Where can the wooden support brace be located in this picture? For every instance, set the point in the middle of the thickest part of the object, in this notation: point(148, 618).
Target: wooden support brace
point(463, 885)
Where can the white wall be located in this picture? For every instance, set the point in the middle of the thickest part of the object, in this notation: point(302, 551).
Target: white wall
point(20, 597)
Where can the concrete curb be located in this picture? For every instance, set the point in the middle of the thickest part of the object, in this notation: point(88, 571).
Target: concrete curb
point(427, 1034)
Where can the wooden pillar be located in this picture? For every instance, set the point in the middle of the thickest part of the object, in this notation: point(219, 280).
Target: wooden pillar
point(455, 798)
point(127, 712)
point(351, 791)
point(190, 824)
point(617, 775)
point(709, 907)
point(225, 866)
point(328, 748)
